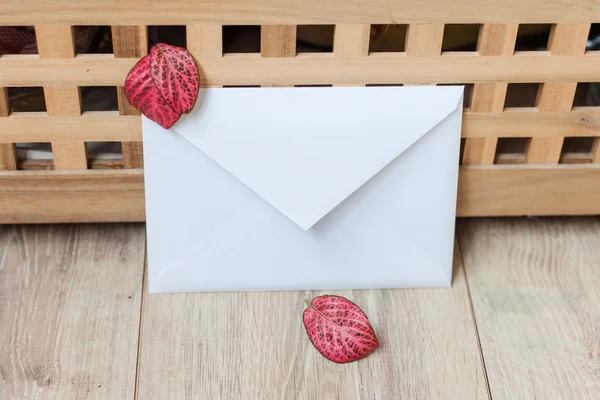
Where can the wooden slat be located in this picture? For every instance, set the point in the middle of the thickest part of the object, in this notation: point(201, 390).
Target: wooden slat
point(534, 287)
point(81, 196)
point(596, 150)
point(278, 41)
point(424, 39)
point(56, 42)
point(494, 40)
point(252, 12)
point(109, 126)
point(528, 190)
point(205, 41)
point(105, 196)
point(351, 40)
point(378, 68)
point(188, 347)
point(129, 42)
point(70, 307)
point(8, 154)
point(564, 40)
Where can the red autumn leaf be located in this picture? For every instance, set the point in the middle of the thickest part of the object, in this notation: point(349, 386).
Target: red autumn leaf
point(175, 75)
point(142, 94)
point(339, 329)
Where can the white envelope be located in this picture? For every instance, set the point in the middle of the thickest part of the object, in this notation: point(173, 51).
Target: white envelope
point(304, 189)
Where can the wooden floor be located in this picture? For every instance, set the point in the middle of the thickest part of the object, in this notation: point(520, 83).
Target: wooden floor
point(521, 321)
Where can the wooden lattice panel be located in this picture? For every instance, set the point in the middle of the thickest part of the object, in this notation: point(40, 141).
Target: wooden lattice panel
point(537, 182)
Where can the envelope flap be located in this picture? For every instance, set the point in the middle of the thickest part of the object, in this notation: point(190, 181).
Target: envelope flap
point(305, 150)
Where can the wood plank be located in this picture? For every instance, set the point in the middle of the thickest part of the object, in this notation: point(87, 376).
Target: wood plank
point(109, 196)
point(505, 190)
point(130, 41)
point(70, 306)
point(251, 12)
point(181, 358)
point(57, 41)
point(351, 40)
point(378, 68)
point(91, 196)
point(596, 150)
point(534, 286)
point(424, 39)
point(564, 40)
point(205, 41)
point(8, 151)
point(494, 40)
point(109, 126)
point(278, 41)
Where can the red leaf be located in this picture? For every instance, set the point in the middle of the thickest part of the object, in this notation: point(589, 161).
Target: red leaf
point(339, 329)
point(176, 76)
point(142, 94)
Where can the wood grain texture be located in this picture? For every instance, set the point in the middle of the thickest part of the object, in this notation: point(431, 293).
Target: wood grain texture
point(77, 196)
point(278, 41)
point(534, 286)
point(424, 39)
point(8, 154)
point(110, 196)
point(55, 41)
point(129, 41)
point(205, 41)
point(351, 40)
point(596, 150)
point(251, 12)
point(253, 346)
point(505, 190)
point(494, 40)
point(110, 126)
point(564, 40)
point(69, 155)
point(70, 307)
point(306, 69)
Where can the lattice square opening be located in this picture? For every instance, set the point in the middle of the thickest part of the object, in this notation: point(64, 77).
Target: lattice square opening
point(577, 150)
point(462, 150)
point(533, 37)
point(104, 155)
point(390, 38)
point(587, 95)
point(93, 39)
point(34, 156)
point(314, 38)
point(99, 98)
point(320, 85)
point(241, 39)
point(460, 37)
point(17, 40)
point(241, 86)
point(512, 150)
point(521, 95)
point(175, 35)
point(593, 42)
point(26, 99)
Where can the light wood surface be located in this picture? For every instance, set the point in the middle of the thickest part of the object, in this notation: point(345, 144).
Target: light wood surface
point(8, 155)
point(109, 196)
point(310, 68)
point(534, 286)
point(557, 96)
point(70, 310)
point(249, 12)
point(494, 40)
point(253, 346)
point(77, 323)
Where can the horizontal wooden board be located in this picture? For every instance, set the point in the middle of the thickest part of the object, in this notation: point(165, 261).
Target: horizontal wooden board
point(62, 196)
point(307, 68)
point(108, 126)
point(103, 196)
point(182, 12)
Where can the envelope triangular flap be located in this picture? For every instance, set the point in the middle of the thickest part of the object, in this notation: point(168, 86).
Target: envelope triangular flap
point(305, 150)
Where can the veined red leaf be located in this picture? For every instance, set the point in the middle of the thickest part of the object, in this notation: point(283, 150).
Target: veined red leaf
point(142, 94)
point(339, 329)
point(175, 75)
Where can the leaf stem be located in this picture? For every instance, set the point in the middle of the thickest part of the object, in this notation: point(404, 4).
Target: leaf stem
point(308, 303)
